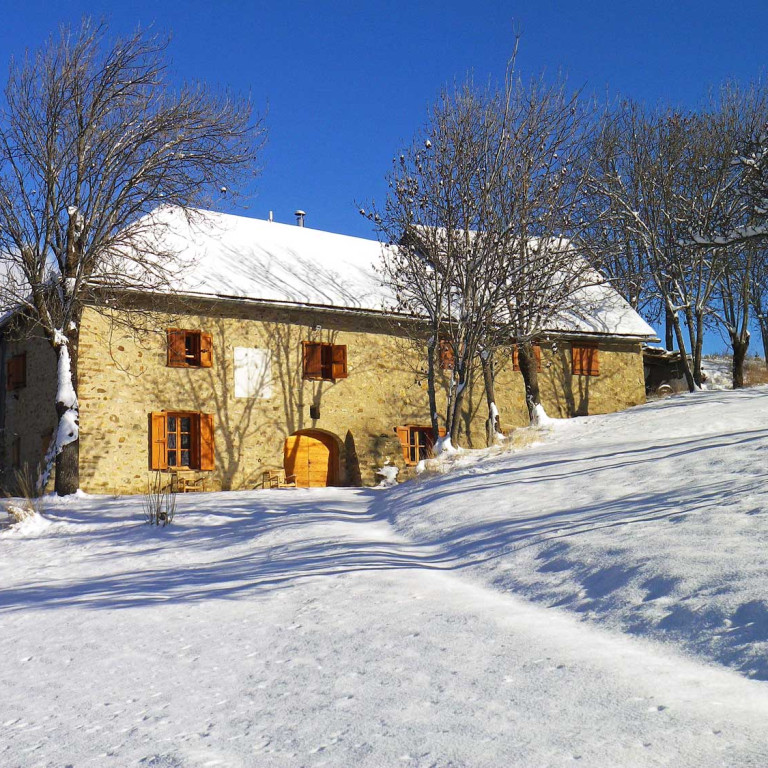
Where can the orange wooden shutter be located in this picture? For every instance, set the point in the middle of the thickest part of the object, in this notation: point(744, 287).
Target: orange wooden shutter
point(158, 455)
point(593, 361)
point(585, 360)
point(339, 361)
point(206, 350)
point(207, 453)
point(403, 435)
point(537, 355)
point(177, 352)
point(313, 359)
point(447, 358)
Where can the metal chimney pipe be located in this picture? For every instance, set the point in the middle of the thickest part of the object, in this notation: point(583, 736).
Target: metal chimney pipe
point(300, 218)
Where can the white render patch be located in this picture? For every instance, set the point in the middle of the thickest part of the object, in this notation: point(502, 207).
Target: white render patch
point(253, 373)
point(222, 255)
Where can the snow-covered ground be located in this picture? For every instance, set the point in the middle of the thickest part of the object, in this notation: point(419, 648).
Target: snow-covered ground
point(346, 627)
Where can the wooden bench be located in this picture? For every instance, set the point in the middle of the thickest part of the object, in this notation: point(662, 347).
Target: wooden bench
point(276, 478)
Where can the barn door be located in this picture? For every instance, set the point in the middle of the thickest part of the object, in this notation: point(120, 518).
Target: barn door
point(312, 457)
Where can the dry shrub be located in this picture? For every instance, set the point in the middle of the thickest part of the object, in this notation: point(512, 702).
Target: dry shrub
point(25, 500)
point(159, 503)
point(755, 372)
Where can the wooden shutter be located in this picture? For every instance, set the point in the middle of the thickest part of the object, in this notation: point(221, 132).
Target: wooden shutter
point(339, 361)
point(158, 454)
point(207, 453)
point(10, 374)
point(206, 350)
point(313, 359)
point(447, 358)
point(585, 360)
point(403, 435)
point(177, 352)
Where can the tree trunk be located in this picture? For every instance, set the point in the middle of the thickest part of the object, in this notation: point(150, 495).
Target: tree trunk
point(740, 347)
point(683, 356)
point(431, 391)
point(492, 426)
point(764, 334)
point(527, 361)
point(669, 331)
point(697, 349)
point(68, 458)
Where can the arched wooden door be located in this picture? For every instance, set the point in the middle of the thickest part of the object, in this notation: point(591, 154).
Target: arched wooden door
point(313, 458)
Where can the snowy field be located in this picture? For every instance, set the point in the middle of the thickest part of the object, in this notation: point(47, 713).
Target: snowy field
point(596, 599)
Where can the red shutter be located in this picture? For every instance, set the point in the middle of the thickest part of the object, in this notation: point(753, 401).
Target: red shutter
point(537, 355)
point(177, 353)
point(313, 359)
point(447, 358)
point(206, 350)
point(158, 455)
point(339, 361)
point(207, 453)
point(403, 435)
point(585, 360)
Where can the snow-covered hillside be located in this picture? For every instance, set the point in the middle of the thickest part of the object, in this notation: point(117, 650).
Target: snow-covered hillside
point(342, 627)
point(653, 521)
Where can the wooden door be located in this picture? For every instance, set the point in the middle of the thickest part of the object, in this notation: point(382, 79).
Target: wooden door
point(312, 457)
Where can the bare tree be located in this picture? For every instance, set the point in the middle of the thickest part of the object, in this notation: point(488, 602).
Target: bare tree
point(476, 214)
point(666, 178)
point(92, 140)
point(440, 220)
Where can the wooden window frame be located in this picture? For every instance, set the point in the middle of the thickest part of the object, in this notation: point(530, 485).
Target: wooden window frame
point(412, 448)
point(323, 361)
point(16, 372)
point(201, 441)
point(585, 359)
point(516, 357)
point(189, 349)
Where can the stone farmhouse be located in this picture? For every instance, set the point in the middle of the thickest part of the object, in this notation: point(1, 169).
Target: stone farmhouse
point(279, 350)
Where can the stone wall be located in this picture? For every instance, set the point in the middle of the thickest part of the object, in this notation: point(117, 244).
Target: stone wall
point(124, 377)
point(30, 412)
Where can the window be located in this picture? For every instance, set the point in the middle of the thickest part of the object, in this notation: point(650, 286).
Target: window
point(325, 362)
point(417, 442)
point(181, 439)
point(516, 360)
point(447, 357)
point(189, 349)
point(16, 372)
point(584, 360)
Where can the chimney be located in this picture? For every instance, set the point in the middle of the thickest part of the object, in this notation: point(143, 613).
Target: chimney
point(300, 217)
point(271, 216)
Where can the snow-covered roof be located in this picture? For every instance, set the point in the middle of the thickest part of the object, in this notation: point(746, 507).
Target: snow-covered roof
point(236, 257)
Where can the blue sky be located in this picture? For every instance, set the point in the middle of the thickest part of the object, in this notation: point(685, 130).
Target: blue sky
point(347, 83)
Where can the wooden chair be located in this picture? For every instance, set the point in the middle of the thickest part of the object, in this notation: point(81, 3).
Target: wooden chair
point(275, 478)
point(187, 481)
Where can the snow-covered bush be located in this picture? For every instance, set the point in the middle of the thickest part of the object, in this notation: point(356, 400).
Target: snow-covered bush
point(159, 503)
point(388, 474)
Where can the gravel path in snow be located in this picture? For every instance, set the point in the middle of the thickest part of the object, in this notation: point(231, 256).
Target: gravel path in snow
point(296, 629)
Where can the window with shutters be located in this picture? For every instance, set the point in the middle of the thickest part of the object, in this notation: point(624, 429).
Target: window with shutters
point(585, 360)
point(417, 442)
point(16, 372)
point(447, 357)
point(516, 359)
point(189, 349)
point(324, 362)
point(181, 440)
